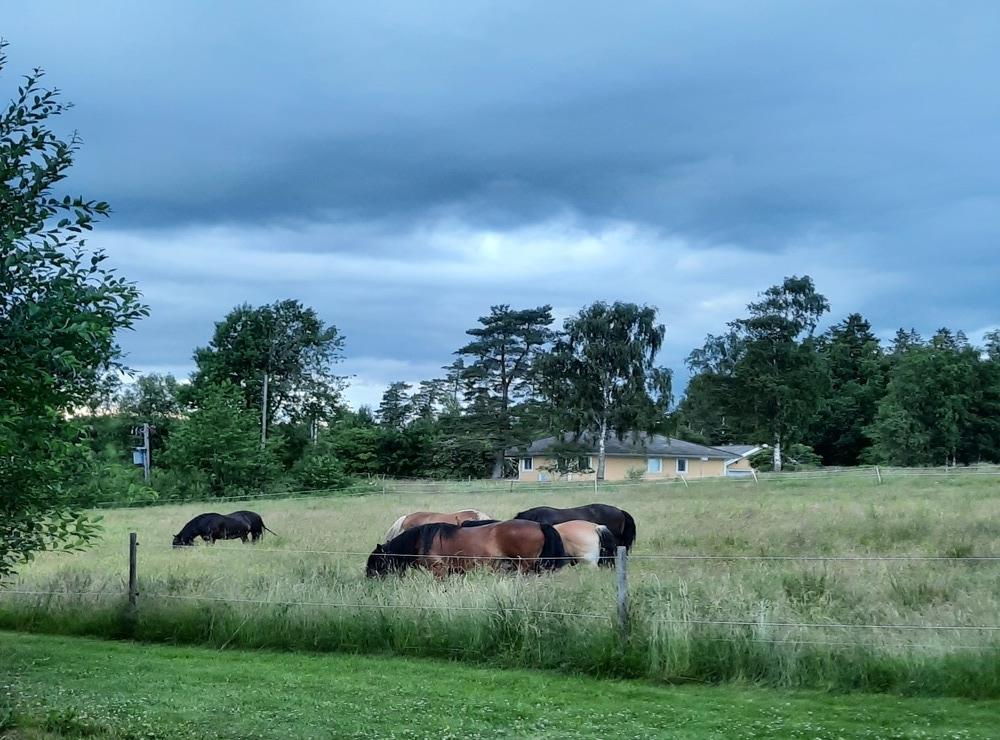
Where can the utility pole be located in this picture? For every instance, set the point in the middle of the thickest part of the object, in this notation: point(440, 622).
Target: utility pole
point(143, 455)
point(263, 414)
point(147, 454)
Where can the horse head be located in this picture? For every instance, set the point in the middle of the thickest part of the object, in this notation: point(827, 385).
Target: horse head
point(378, 564)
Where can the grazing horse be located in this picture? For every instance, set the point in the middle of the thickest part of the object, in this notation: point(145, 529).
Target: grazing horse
point(588, 542)
point(585, 542)
point(256, 524)
point(211, 527)
point(409, 521)
point(450, 548)
point(620, 522)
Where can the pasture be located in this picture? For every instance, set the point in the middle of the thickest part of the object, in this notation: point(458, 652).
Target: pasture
point(845, 624)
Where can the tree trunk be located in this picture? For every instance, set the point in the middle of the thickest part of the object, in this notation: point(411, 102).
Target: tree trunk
point(600, 449)
point(263, 413)
point(776, 458)
point(498, 465)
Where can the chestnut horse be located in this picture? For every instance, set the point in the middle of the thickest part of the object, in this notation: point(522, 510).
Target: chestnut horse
point(450, 548)
point(584, 542)
point(409, 521)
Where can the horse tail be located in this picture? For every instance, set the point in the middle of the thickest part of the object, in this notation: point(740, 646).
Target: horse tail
point(395, 530)
point(628, 531)
point(553, 554)
point(608, 545)
point(264, 526)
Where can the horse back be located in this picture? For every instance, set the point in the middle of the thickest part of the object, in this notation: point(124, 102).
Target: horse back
point(199, 524)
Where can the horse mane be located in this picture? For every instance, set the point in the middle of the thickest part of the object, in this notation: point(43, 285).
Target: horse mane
point(553, 554)
point(404, 543)
point(427, 533)
point(395, 530)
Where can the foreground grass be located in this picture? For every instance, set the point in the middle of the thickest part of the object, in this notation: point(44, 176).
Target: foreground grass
point(73, 687)
point(234, 595)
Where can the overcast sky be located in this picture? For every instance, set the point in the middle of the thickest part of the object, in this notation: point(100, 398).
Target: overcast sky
point(403, 166)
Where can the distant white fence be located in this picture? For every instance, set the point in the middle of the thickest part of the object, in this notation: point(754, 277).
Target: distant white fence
point(386, 485)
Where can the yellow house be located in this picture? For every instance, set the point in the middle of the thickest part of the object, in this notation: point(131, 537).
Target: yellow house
point(638, 456)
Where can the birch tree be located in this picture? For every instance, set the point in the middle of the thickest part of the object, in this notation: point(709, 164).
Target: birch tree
point(601, 378)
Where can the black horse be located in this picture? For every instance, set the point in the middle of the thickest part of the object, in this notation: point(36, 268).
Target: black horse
point(256, 524)
point(211, 527)
point(620, 522)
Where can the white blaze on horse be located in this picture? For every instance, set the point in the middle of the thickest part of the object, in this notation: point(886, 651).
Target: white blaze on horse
point(409, 521)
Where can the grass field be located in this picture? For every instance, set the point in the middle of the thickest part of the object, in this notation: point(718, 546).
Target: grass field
point(56, 687)
point(235, 595)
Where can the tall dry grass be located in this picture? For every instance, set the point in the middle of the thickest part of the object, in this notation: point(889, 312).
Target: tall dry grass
point(272, 595)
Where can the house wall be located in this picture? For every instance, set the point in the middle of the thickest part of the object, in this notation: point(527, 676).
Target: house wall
point(742, 464)
point(617, 468)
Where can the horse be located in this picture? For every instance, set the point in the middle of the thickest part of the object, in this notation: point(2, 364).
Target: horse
point(256, 524)
point(445, 548)
point(211, 527)
point(408, 521)
point(584, 542)
point(620, 522)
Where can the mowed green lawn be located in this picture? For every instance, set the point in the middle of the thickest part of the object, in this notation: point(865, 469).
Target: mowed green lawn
point(77, 687)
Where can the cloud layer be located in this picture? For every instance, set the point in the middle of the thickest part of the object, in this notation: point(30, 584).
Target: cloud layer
point(401, 167)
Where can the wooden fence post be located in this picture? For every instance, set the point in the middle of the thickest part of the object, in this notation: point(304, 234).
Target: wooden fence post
point(878, 474)
point(621, 570)
point(133, 580)
point(595, 485)
point(754, 474)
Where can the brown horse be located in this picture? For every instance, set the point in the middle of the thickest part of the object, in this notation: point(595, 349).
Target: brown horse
point(584, 542)
point(409, 521)
point(449, 548)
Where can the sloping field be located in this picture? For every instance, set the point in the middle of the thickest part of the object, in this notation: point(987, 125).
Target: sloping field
point(746, 593)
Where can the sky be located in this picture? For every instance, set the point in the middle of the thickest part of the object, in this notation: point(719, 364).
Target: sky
point(401, 167)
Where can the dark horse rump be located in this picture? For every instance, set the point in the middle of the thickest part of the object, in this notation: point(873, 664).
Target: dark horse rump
point(254, 521)
point(211, 527)
point(620, 522)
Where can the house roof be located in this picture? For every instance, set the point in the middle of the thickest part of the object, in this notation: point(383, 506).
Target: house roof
point(738, 450)
point(631, 446)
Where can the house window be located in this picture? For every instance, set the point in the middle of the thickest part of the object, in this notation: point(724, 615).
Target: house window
point(526, 463)
point(654, 465)
point(682, 465)
point(583, 463)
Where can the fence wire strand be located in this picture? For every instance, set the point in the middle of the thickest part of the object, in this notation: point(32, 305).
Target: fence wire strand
point(651, 556)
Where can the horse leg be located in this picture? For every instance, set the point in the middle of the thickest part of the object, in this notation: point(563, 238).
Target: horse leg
point(438, 568)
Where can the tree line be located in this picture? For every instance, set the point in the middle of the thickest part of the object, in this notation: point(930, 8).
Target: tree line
point(264, 407)
point(842, 397)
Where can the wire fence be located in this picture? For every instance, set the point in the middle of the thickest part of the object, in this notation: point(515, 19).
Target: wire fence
point(256, 549)
point(752, 630)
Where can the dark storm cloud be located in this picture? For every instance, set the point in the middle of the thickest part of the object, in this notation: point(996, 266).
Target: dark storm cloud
point(854, 141)
point(745, 123)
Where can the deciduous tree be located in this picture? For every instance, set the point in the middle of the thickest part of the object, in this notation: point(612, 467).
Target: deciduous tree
point(61, 308)
point(601, 375)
